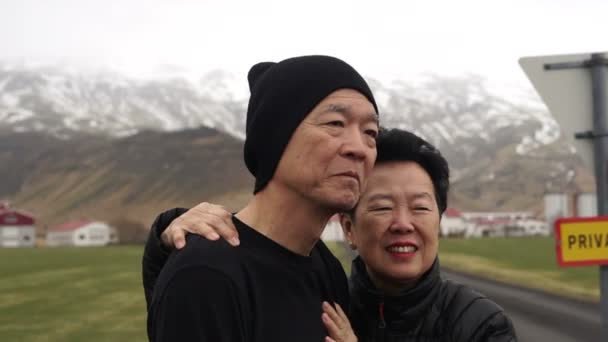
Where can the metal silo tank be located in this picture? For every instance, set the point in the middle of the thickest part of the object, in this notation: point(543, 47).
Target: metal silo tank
point(586, 204)
point(556, 206)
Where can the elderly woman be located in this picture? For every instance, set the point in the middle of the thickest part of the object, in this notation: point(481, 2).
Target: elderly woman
point(397, 292)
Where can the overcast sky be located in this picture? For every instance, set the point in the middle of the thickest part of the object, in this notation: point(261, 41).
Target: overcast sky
point(384, 39)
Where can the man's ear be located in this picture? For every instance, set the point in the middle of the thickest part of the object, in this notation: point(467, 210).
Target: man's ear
point(347, 228)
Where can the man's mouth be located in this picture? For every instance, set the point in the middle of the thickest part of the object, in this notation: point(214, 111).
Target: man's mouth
point(351, 174)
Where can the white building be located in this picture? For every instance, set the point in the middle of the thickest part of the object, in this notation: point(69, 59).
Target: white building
point(533, 227)
point(557, 205)
point(453, 224)
point(488, 227)
point(17, 228)
point(82, 233)
point(333, 230)
point(497, 215)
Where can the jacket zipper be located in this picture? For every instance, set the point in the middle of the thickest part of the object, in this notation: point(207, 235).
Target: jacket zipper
point(382, 322)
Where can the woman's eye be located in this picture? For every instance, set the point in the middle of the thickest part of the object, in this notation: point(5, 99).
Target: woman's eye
point(372, 133)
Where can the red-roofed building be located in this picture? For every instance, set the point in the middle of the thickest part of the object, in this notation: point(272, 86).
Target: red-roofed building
point(452, 212)
point(453, 224)
point(492, 221)
point(81, 233)
point(490, 224)
point(17, 227)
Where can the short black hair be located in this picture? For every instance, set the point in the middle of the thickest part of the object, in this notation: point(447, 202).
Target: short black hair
point(401, 145)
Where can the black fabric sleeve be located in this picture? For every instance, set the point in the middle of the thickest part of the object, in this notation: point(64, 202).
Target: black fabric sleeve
point(155, 254)
point(497, 328)
point(198, 304)
point(488, 322)
point(475, 318)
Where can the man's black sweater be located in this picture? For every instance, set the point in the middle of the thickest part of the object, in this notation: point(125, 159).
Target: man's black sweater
point(259, 291)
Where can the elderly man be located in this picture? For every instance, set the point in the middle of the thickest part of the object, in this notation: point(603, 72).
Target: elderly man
point(311, 128)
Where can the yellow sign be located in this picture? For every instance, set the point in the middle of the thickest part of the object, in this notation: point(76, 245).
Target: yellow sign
point(582, 241)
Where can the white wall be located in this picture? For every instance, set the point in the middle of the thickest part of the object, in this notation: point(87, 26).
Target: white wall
point(534, 227)
point(556, 206)
point(92, 234)
point(333, 231)
point(54, 239)
point(17, 236)
point(511, 215)
point(453, 226)
point(586, 205)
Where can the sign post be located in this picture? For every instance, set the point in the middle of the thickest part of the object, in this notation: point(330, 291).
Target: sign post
point(574, 89)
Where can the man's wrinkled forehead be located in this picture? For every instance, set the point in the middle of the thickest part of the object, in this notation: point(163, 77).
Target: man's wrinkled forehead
point(348, 103)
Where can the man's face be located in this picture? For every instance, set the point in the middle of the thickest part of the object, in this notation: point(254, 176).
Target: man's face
point(331, 153)
point(396, 226)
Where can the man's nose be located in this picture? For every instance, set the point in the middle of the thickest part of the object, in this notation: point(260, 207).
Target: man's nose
point(356, 144)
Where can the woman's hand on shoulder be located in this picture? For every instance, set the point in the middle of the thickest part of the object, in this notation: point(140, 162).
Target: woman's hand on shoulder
point(211, 221)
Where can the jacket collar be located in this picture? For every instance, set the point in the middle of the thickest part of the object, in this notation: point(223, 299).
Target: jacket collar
point(402, 311)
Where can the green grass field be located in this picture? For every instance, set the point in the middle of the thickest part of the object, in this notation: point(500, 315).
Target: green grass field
point(72, 294)
point(95, 294)
point(529, 262)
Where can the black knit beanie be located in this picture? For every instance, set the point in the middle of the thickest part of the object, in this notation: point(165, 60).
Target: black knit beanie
point(282, 95)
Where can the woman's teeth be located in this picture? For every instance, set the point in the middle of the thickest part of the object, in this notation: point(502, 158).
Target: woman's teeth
point(402, 249)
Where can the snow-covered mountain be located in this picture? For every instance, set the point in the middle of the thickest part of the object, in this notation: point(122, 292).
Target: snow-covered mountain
point(463, 116)
point(64, 102)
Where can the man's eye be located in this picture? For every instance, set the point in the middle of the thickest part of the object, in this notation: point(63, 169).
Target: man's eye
point(422, 208)
point(336, 123)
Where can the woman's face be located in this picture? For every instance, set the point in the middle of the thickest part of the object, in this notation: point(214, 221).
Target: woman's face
point(396, 225)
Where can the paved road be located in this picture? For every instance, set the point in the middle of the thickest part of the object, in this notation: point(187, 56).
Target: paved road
point(539, 316)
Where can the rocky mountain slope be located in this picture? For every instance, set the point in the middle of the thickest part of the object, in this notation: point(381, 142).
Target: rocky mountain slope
point(102, 144)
